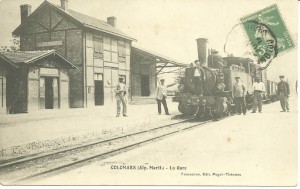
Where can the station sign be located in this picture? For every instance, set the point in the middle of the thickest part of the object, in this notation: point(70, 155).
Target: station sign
point(49, 72)
point(49, 43)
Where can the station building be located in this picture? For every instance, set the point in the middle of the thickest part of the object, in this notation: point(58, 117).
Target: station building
point(100, 51)
point(33, 80)
point(4, 67)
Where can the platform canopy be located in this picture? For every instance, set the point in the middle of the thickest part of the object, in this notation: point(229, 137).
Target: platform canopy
point(163, 64)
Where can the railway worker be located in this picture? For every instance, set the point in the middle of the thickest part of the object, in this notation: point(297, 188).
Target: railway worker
point(283, 91)
point(121, 92)
point(161, 95)
point(239, 91)
point(258, 90)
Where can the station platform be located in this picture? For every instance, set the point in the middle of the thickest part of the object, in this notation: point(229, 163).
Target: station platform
point(23, 134)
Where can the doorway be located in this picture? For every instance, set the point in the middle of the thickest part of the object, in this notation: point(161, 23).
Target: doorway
point(99, 90)
point(145, 91)
point(48, 93)
point(49, 90)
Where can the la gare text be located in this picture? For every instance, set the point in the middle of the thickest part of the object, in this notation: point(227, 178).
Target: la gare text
point(147, 167)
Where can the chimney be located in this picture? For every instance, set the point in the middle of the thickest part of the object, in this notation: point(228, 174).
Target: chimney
point(64, 4)
point(25, 12)
point(112, 21)
point(202, 50)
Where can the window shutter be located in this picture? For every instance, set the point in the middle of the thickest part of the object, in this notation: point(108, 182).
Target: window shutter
point(122, 51)
point(98, 47)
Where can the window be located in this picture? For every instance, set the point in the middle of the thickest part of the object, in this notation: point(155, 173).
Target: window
point(122, 51)
point(98, 47)
point(98, 77)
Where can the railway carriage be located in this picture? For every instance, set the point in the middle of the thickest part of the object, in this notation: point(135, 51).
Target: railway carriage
point(271, 91)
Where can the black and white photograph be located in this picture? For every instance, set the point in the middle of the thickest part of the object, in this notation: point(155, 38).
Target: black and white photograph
point(149, 93)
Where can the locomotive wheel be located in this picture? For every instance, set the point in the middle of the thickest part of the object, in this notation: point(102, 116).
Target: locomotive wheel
point(217, 115)
point(186, 110)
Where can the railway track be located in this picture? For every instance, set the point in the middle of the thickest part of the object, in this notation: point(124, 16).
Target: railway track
point(26, 170)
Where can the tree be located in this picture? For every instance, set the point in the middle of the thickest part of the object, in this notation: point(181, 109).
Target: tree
point(15, 45)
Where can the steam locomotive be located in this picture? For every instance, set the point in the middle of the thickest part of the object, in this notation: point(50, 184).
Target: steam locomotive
point(205, 90)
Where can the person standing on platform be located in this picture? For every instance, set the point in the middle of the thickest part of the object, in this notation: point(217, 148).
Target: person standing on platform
point(161, 95)
point(121, 92)
point(239, 91)
point(283, 91)
point(258, 90)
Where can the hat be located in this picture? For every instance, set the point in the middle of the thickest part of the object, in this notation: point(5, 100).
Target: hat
point(162, 80)
point(281, 76)
point(237, 77)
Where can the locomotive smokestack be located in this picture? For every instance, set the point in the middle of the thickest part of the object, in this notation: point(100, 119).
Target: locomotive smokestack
point(202, 50)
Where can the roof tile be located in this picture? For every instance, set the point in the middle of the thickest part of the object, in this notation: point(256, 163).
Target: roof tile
point(95, 23)
point(24, 56)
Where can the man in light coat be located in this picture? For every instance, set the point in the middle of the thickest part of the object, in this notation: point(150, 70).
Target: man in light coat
point(161, 95)
point(239, 91)
point(121, 92)
point(258, 90)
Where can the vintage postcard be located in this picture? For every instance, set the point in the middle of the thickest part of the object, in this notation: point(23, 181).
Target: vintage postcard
point(140, 92)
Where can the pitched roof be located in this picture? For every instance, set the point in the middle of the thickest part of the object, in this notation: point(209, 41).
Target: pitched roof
point(6, 61)
point(87, 21)
point(93, 23)
point(28, 57)
point(156, 55)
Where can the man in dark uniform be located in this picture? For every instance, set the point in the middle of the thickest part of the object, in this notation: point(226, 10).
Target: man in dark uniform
point(283, 91)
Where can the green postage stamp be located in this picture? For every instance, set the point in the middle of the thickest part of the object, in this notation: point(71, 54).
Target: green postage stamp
point(267, 33)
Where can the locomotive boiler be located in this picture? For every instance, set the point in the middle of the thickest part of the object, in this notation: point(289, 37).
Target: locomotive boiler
point(205, 90)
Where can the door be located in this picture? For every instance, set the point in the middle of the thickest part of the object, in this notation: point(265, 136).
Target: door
point(145, 91)
point(99, 93)
point(55, 93)
point(42, 93)
point(99, 90)
point(49, 93)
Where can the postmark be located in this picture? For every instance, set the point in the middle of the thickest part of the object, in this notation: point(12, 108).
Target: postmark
point(268, 34)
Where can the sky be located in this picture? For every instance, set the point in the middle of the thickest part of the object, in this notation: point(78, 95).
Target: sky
point(170, 27)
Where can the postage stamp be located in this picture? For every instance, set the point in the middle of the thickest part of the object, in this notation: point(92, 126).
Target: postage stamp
point(267, 33)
